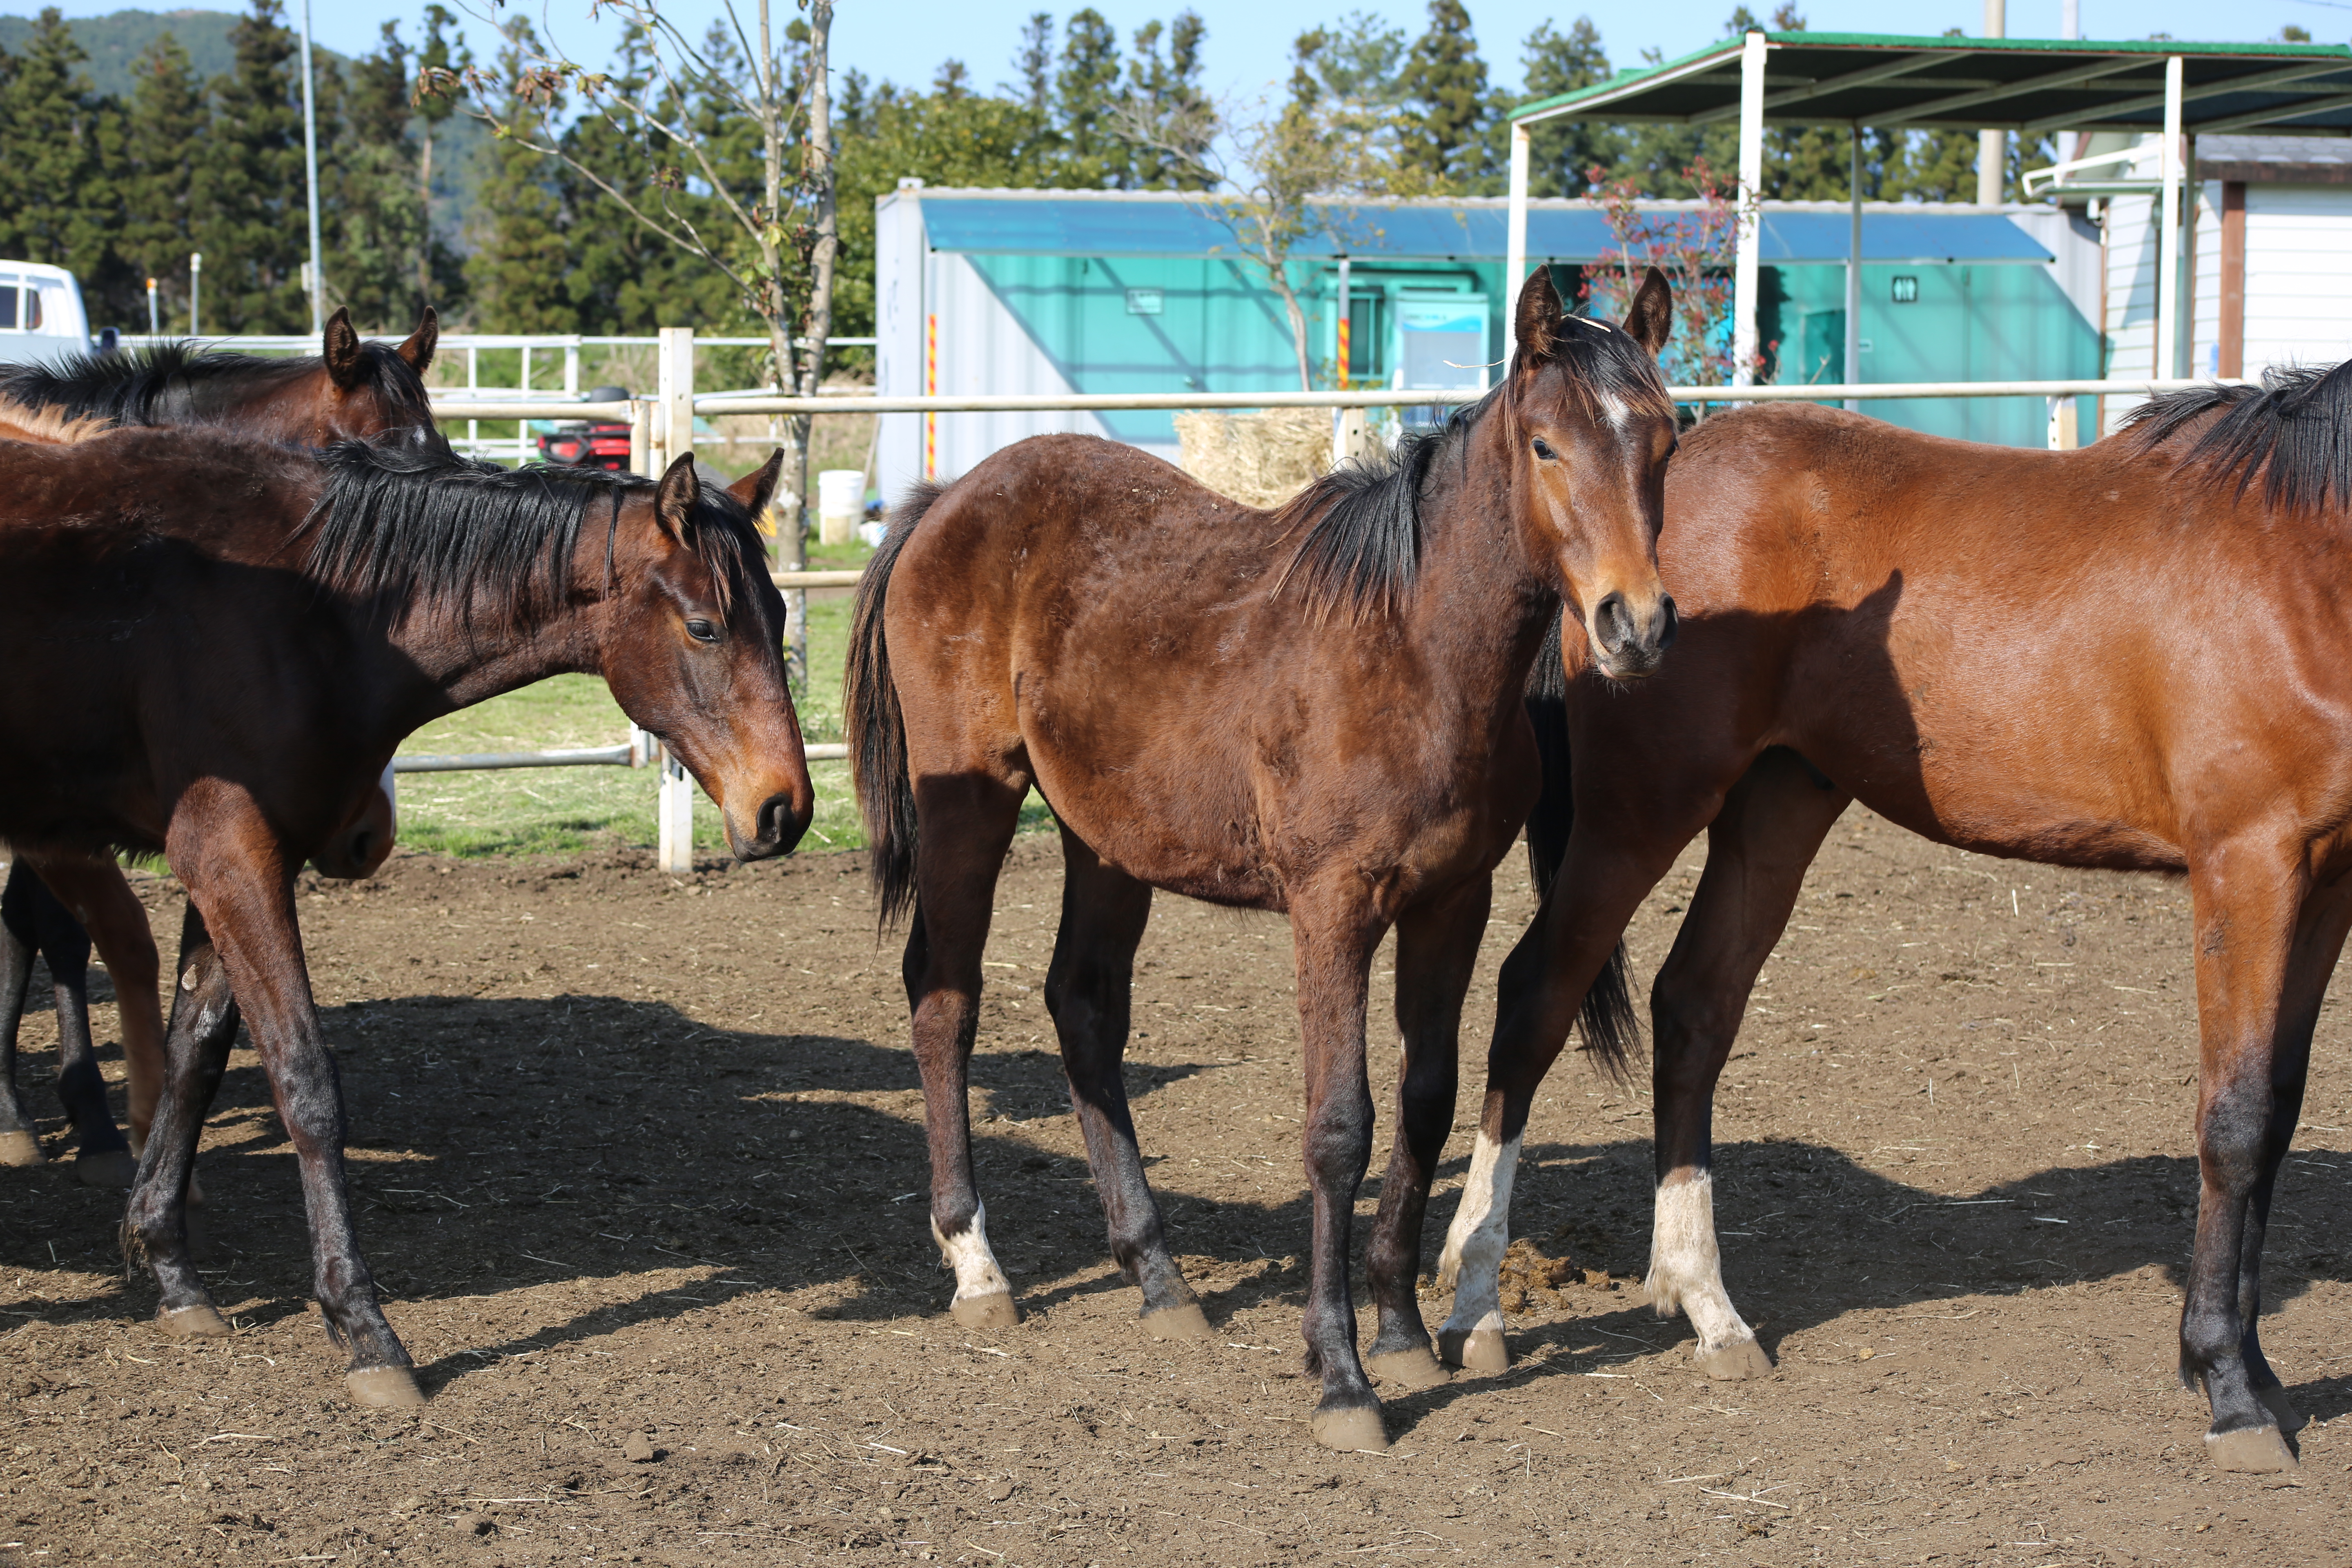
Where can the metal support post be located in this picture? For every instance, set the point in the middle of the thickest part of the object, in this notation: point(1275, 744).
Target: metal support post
point(2167, 358)
point(1853, 272)
point(1514, 245)
point(311, 170)
point(1745, 275)
point(1993, 146)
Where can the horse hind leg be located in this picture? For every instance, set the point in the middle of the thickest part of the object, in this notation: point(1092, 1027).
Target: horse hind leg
point(155, 1222)
point(1088, 988)
point(1437, 952)
point(102, 1158)
point(967, 823)
point(1758, 847)
point(20, 1139)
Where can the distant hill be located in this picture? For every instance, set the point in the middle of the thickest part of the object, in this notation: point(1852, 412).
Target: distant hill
point(116, 42)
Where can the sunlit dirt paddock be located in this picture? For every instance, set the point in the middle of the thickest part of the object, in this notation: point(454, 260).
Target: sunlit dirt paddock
point(640, 1163)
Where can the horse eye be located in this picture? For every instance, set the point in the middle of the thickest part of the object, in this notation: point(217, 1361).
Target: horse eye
point(701, 630)
point(1543, 450)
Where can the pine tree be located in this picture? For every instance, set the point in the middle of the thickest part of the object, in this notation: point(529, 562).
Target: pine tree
point(165, 131)
point(1445, 84)
point(517, 272)
point(1035, 62)
point(249, 201)
point(58, 205)
point(1563, 154)
point(374, 209)
point(1165, 94)
point(1085, 103)
point(438, 277)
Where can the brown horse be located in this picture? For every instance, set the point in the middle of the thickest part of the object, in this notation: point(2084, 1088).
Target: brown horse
point(1315, 711)
point(2016, 652)
point(216, 644)
point(350, 390)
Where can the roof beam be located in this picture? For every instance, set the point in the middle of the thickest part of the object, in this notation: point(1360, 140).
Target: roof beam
point(1884, 71)
point(2073, 76)
point(2265, 117)
point(1603, 96)
point(2257, 82)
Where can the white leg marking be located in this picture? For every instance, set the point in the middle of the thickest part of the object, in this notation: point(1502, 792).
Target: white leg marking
point(1687, 1267)
point(975, 1266)
point(1473, 1259)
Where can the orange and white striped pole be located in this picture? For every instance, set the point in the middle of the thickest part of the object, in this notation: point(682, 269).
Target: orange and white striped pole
point(930, 389)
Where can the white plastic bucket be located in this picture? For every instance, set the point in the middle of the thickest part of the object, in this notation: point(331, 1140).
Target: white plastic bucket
point(840, 497)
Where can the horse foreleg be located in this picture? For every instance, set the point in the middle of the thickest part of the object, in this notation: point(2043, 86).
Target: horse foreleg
point(154, 1224)
point(236, 874)
point(1541, 988)
point(1087, 990)
point(966, 828)
point(102, 1159)
point(2250, 920)
point(1437, 950)
point(1334, 946)
point(20, 1138)
point(1759, 845)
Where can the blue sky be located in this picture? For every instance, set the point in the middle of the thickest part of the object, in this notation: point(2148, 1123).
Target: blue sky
point(1248, 40)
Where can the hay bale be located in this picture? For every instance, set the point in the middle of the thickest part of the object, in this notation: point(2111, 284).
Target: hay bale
point(1260, 459)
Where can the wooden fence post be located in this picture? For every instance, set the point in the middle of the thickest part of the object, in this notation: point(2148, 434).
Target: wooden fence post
point(674, 432)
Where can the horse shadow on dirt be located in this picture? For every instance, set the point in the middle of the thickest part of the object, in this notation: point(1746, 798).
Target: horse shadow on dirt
point(625, 1138)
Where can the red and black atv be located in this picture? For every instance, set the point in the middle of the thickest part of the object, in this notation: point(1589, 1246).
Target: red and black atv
point(582, 443)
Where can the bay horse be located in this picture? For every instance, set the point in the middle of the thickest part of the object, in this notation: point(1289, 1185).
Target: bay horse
point(1316, 710)
point(2015, 652)
point(216, 644)
point(350, 389)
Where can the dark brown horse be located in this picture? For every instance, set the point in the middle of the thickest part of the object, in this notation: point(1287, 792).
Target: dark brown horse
point(1316, 712)
point(216, 644)
point(2132, 657)
point(350, 390)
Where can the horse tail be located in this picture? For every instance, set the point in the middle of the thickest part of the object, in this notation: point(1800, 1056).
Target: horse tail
point(878, 731)
point(1612, 1031)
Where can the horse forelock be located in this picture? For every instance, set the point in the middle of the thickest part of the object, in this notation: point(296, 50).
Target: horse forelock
point(2292, 434)
point(1608, 376)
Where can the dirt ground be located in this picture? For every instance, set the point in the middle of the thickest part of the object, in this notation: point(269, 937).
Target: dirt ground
point(642, 1158)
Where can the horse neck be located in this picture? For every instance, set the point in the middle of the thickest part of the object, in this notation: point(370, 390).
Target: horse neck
point(456, 664)
point(1481, 595)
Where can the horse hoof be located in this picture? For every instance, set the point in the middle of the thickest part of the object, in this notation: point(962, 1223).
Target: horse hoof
point(2250, 1451)
point(2281, 1408)
point(21, 1149)
point(383, 1388)
point(1413, 1368)
point(201, 1321)
point(1734, 1363)
point(1480, 1351)
point(1356, 1429)
point(993, 1311)
point(110, 1168)
point(1183, 1322)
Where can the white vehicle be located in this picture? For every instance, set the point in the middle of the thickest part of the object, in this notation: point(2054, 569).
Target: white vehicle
point(41, 314)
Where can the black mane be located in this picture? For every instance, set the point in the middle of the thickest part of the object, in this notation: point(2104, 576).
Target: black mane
point(178, 383)
point(1362, 550)
point(2295, 431)
point(410, 523)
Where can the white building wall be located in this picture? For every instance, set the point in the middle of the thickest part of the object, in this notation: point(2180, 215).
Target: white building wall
point(2131, 297)
point(2298, 274)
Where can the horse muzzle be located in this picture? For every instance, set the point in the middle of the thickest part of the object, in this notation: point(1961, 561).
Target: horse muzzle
point(775, 827)
point(1629, 643)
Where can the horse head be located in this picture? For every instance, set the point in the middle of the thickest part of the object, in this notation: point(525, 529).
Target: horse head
point(1593, 431)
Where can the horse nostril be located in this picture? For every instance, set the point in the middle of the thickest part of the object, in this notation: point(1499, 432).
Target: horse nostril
point(1611, 624)
point(1669, 622)
point(779, 821)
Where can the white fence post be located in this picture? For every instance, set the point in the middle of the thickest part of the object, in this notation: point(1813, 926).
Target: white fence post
point(674, 429)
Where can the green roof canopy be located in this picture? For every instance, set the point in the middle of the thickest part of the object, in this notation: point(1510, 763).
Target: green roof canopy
point(2030, 85)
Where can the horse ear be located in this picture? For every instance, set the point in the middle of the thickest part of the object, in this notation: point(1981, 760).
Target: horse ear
point(1652, 320)
point(1537, 325)
point(755, 489)
point(674, 501)
point(418, 350)
point(346, 366)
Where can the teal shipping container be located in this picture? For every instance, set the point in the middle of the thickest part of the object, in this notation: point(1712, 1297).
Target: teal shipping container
point(1094, 291)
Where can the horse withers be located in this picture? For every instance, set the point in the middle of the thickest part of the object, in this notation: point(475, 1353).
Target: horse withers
point(1315, 711)
point(218, 645)
point(2021, 653)
point(59, 906)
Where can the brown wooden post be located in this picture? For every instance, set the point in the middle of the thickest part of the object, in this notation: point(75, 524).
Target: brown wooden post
point(2230, 330)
